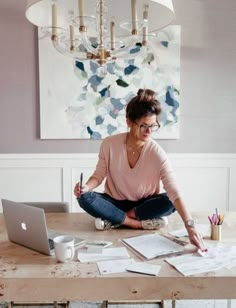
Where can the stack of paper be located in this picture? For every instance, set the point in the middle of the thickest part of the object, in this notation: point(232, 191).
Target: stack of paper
point(152, 245)
point(123, 265)
point(106, 254)
point(218, 256)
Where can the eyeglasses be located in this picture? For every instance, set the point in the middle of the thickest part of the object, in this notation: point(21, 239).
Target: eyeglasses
point(144, 127)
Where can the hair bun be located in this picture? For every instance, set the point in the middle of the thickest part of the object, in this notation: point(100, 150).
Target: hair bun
point(142, 105)
point(140, 92)
point(146, 94)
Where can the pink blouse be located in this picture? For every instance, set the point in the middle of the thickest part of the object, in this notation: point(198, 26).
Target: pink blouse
point(141, 181)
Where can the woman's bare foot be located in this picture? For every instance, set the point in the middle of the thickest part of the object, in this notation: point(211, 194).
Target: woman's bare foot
point(132, 223)
point(131, 214)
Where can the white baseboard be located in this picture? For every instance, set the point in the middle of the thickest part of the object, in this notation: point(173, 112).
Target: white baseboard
point(206, 180)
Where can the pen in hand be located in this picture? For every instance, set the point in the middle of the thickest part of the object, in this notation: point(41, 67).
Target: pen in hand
point(81, 181)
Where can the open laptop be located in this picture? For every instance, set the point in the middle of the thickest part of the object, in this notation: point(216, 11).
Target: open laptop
point(26, 226)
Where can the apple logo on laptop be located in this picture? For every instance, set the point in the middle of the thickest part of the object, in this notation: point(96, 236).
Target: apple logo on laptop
point(23, 226)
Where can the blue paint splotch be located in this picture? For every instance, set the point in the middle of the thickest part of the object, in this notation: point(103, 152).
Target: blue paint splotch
point(94, 81)
point(104, 92)
point(80, 65)
point(111, 129)
point(113, 114)
point(117, 103)
point(171, 101)
point(99, 120)
point(122, 83)
point(130, 69)
point(165, 44)
point(93, 135)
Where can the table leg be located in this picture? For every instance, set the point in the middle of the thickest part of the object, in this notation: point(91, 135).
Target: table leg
point(173, 303)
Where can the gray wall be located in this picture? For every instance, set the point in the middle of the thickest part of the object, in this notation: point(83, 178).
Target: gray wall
point(208, 81)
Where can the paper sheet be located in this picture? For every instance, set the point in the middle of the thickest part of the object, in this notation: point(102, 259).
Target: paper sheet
point(204, 229)
point(144, 268)
point(106, 254)
point(219, 256)
point(114, 266)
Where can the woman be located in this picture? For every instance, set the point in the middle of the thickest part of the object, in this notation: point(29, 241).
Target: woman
point(133, 165)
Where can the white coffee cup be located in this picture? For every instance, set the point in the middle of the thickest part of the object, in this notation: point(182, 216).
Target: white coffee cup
point(64, 248)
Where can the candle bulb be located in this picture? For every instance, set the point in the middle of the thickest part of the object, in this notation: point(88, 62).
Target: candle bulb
point(81, 12)
point(145, 27)
point(72, 38)
point(112, 35)
point(54, 20)
point(145, 13)
point(134, 16)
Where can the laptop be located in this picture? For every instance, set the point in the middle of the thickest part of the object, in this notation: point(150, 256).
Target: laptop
point(26, 226)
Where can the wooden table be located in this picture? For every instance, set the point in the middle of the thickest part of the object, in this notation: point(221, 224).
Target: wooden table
point(26, 275)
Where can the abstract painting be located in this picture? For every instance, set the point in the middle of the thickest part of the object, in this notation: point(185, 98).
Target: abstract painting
point(75, 103)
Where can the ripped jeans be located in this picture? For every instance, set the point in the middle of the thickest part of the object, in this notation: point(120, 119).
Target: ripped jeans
point(101, 205)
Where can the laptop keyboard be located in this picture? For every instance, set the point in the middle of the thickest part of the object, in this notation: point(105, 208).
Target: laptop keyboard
point(52, 234)
point(51, 243)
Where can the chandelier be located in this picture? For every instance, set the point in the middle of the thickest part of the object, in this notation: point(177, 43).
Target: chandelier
point(100, 30)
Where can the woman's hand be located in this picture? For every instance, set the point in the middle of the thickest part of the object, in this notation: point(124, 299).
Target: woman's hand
point(78, 190)
point(196, 238)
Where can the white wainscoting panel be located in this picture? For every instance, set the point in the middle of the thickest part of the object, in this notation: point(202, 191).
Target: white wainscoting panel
point(206, 180)
point(31, 184)
point(203, 187)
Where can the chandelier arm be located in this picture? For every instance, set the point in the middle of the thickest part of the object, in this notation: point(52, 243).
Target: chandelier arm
point(132, 42)
point(80, 55)
point(87, 43)
point(125, 55)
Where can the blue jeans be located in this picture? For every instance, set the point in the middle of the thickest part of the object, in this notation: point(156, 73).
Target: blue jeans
point(105, 207)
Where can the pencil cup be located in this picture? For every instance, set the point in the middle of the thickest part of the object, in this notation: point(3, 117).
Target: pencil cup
point(216, 232)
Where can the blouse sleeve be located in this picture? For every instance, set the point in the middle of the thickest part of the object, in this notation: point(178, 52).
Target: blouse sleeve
point(101, 168)
point(168, 179)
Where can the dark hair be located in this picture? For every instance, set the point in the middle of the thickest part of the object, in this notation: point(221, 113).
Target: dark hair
point(143, 104)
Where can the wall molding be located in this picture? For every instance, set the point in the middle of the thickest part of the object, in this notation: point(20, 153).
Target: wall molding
point(207, 180)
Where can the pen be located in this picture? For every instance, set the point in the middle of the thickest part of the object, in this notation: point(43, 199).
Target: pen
point(81, 181)
point(221, 219)
point(210, 219)
point(216, 219)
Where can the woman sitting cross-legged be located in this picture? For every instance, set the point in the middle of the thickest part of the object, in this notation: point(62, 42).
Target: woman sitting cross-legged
point(134, 165)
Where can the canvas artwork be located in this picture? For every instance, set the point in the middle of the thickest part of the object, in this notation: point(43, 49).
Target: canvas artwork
point(75, 103)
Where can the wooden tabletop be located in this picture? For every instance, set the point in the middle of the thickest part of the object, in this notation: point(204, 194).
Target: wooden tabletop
point(26, 275)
